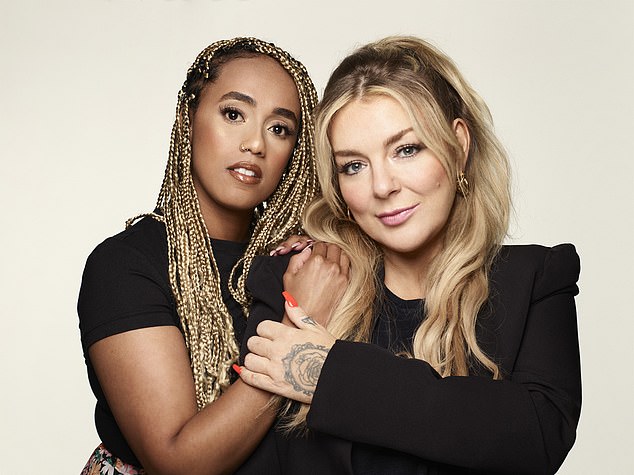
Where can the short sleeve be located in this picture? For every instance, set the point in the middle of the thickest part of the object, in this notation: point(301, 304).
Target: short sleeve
point(121, 290)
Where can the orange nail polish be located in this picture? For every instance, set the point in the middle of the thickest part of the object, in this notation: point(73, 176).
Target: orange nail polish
point(236, 368)
point(289, 298)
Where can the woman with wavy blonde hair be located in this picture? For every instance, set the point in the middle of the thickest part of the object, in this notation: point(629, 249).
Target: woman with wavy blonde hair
point(449, 352)
point(162, 305)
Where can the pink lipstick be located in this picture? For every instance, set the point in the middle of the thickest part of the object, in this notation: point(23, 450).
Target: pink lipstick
point(398, 216)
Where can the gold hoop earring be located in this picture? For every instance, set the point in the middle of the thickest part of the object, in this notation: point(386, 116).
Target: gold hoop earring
point(244, 149)
point(349, 215)
point(462, 184)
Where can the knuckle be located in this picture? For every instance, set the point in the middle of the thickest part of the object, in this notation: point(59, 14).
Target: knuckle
point(318, 259)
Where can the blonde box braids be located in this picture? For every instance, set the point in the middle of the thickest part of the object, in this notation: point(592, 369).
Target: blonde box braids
point(206, 322)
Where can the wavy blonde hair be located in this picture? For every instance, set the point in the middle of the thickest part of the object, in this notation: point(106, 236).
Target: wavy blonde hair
point(205, 320)
point(433, 92)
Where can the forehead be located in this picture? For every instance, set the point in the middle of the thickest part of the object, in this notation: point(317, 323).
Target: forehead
point(260, 77)
point(367, 119)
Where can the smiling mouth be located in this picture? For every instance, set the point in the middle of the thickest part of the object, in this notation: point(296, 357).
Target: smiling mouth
point(397, 216)
point(246, 172)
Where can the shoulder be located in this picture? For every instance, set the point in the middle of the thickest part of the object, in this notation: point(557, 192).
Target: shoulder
point(125, 284)
point(144, 242)
point(539, 269)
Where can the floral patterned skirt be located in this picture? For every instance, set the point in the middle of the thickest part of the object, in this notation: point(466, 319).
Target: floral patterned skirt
point(103, 462)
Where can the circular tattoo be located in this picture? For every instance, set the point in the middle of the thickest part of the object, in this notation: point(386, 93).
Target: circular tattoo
point(302, 366)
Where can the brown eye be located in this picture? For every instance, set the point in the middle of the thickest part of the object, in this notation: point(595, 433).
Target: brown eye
point(231, 114)
point(280, 130)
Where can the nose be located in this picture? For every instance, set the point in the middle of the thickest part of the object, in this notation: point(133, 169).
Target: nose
point(384, 180)
point(253, 142)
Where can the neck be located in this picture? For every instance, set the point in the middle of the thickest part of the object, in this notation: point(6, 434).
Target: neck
point(228, 225)
point(406, 273)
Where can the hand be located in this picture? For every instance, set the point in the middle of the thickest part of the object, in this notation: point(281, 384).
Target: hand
point(318, 277)
point(293, 243)
point(287, 361)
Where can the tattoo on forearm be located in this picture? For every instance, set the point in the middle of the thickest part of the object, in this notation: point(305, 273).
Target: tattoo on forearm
point(309, 321)
point(302, 366)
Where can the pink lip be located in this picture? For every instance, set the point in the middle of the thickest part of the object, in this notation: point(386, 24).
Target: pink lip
point(246, 172)
point(397, 216)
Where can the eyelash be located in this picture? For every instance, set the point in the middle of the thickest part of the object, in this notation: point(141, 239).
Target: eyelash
point(345, 168)
point(416, 146)
point(226, 110)
point(287, 130)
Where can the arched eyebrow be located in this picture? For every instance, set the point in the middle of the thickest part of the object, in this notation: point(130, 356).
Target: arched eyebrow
point(239, 96)
point(290, 115)
point(391, 140)
point(396, 137)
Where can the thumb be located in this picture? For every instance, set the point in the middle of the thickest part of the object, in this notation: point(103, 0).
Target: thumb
point(296, 314)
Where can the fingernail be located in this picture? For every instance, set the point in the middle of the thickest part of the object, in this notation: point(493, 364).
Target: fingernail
point(276, 250)
point(289, 298)
point(236, 368)
point(295, 245)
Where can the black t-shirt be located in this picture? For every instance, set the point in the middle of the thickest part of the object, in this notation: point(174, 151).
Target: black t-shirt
point(125, 286)
point(395, 324)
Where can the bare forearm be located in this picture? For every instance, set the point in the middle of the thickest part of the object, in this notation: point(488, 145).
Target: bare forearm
point(220, 437)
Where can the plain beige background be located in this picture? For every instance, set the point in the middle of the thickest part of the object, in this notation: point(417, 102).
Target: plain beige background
point(87, 97)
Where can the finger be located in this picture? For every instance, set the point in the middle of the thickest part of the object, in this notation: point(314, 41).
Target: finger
point(298, 260)
point(260, 346)
point(275, 251)
point(302, 243)
point(298, 316)
point(320, 249)
point(269, 329)
point(294, 242)
point(333, 252)
point(257, 380)
point(283, 248)
point(344, 264)
point(256, 363)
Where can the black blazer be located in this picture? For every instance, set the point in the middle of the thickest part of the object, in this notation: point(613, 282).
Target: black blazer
point(524, 423)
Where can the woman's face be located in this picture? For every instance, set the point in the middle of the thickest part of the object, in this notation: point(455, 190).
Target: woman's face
point(243, 133)
point(396, 189)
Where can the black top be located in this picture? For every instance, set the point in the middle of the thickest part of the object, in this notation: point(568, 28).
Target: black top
point(376, 412)
point(125, 286)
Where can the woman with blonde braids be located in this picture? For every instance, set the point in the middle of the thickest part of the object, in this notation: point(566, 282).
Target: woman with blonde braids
point(162, 305)
point(449, 352)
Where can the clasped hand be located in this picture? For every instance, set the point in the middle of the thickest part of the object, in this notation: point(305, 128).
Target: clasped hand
point(287, 361)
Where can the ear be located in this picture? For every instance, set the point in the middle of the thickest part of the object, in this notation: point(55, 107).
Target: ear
point(462, 134)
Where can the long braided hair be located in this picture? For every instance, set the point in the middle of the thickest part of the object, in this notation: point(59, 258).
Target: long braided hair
point(205, 320)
